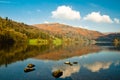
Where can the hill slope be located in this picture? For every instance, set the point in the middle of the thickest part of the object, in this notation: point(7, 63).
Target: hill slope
point(110, 37)
point(11, 31)
point(68, 31)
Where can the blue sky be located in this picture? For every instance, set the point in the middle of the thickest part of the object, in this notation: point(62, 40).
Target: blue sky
point(100, 15)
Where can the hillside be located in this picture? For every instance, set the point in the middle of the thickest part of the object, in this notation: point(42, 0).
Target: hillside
point(68, 31)
point(12, 31)
point(109, 37)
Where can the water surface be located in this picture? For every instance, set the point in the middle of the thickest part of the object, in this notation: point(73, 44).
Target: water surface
point(95, 62)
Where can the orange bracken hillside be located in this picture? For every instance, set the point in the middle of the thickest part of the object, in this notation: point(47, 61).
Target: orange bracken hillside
point(62, 29)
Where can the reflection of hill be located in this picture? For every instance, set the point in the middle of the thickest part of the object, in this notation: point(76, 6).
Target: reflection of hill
point(108, 37)
point(69, 51)
point(109, 46)
point(16, 52)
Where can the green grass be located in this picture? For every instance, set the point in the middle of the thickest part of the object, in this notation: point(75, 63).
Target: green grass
point(55, 42)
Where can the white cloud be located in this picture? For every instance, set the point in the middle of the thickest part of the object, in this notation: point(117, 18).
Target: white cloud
point(97, 17)
point(66, 13)
point(116, 20)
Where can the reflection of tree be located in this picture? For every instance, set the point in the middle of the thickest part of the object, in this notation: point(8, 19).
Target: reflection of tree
point(16, 52)
point(67, 51)
point(117, 46)
point(10, 52)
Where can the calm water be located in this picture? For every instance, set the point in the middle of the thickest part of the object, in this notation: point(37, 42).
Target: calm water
point(95, 62)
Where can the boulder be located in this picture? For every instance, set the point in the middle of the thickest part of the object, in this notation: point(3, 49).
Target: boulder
point(30, 65)
point(29, 69)
point(75, 62)
point(68, 63)
point(57, 73)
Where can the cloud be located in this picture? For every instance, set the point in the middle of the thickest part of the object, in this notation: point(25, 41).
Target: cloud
point(116, 20)
point(66, 13)
point(97, 66)
point(97, 17)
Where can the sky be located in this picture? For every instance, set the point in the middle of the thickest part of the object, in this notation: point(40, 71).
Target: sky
point(99, 15)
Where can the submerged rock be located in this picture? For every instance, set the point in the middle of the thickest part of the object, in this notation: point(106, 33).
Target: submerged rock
point(30, 65)
point(57, 73)
point(29, 69)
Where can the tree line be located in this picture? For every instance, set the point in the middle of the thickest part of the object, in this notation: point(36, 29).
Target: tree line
point(12, 31)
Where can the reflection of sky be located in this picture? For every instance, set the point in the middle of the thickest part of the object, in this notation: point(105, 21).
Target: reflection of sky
point(68, 70)
point(104, 65)
point(100, 61)
point(101, 65)
point(95, 67)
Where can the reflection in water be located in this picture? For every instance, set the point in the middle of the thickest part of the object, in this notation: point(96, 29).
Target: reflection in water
point(109, 46)
point(117, 63)
point(64, 52)
point(94, 62)
point(97, 66)
point(11, 53)
point(15, 52)
point(67, 70)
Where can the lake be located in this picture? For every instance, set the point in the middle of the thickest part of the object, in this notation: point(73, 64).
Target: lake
point(93, 62)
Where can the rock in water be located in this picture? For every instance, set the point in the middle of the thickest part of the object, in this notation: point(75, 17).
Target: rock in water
point(57, 73)
point(68, 63)
point(75, 62)
point(30, 65)
point(29, 69)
